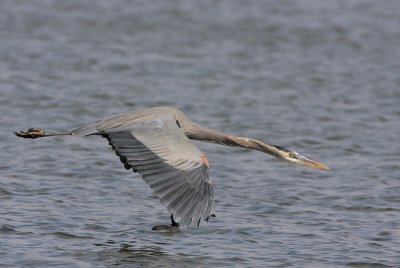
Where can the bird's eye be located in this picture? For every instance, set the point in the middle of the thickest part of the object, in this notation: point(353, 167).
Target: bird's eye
point(177, 122)
point(292, 155)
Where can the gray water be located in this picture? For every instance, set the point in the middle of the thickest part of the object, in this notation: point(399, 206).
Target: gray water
point(322, 77)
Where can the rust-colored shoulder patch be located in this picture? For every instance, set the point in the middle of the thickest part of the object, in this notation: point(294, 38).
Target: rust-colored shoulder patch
point(204, 159)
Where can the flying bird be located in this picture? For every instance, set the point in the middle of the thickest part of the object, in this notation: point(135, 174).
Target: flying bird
point(155, 143)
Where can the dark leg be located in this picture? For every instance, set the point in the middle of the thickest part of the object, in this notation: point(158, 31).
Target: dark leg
point(34, 133)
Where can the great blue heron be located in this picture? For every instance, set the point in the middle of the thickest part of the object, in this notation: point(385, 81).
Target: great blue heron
point(155, 142)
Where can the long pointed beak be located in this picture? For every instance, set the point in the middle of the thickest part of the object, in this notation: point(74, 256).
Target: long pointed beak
point(308, 162)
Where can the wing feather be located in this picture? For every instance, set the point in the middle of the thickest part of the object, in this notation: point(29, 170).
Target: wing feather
point(169, 163)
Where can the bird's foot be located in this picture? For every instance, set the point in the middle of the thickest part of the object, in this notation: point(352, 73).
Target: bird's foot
point(31, 133)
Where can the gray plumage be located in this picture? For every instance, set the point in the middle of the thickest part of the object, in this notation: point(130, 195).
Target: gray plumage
point(171, 166)
point(155, 142)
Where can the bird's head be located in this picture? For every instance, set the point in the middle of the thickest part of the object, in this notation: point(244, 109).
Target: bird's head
point(294, 157)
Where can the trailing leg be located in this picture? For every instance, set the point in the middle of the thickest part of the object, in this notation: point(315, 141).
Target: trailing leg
point(34, 133)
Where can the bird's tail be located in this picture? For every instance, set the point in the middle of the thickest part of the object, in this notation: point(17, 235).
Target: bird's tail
point(34, 133)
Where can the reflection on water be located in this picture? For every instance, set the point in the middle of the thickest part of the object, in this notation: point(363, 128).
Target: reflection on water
point(133, 254)
point(320, 77)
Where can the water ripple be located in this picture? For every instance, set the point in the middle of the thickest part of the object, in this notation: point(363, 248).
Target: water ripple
point(320, 77)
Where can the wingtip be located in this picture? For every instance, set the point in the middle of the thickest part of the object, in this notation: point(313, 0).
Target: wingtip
point(208, 218)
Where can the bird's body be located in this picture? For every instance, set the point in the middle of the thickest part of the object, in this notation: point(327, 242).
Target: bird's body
point(155, 142)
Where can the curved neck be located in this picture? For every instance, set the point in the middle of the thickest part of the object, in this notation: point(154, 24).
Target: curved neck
point(196, 132)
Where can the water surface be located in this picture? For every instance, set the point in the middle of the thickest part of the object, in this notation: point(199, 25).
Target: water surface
point(321, 77)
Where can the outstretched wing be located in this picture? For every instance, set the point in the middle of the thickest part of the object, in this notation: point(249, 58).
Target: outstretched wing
point(173, 167)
